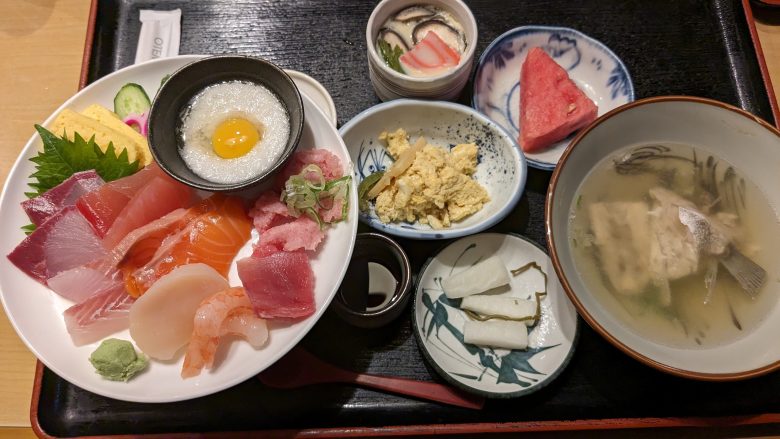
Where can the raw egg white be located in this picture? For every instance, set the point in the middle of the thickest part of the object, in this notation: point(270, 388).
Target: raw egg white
point(233, 131)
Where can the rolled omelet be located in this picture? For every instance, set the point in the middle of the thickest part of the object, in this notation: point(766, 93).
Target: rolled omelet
point(70, 122)
point(111, 120)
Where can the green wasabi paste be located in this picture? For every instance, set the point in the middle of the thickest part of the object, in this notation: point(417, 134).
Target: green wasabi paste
point(117, 360)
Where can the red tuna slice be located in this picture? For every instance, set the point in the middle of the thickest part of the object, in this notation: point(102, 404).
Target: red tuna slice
point(44, 206)
point(64, 241)
point(551, 104)
point(269, 211)
point(157, 198)
point(279, 285)
point(430, 55)
point(99, 316)
point(303, 233)
point(102, 206)
point(327, 161)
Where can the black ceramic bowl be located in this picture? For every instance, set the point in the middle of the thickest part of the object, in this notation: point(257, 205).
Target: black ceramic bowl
point(178, 90)
point(354, 302)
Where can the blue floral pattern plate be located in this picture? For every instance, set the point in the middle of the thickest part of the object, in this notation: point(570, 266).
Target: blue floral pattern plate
point(590, 64)
point(494, 373)
point(501, 167)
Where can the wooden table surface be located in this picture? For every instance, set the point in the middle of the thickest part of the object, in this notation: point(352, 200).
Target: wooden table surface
point(41, 45)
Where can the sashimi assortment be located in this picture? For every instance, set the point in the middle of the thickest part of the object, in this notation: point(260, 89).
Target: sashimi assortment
point(134, 248)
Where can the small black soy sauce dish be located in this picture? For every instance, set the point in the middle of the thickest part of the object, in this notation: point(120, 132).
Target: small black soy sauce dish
point(377, 285)
point(179, 89)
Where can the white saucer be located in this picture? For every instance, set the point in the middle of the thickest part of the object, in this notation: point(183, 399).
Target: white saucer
point(316, 91)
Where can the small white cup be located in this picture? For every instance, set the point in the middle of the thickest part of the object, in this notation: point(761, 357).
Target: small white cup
point(390, 84)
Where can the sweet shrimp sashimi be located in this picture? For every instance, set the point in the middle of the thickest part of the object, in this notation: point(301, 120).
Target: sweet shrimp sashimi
point(227, 312)
point(213, 238)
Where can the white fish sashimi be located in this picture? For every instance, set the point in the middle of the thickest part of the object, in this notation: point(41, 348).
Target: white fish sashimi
point(99, 316)
point(80, 283)
point(482, 276)
point(497, 334)
point(161, 321)
point(511, 307)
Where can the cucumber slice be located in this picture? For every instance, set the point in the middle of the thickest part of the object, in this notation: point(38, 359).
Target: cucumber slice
point(131, 99)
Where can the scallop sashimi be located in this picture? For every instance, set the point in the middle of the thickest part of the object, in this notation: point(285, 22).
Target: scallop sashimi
point(161, 321)
point(212, 238)
point(430, 56)
point(212, 315)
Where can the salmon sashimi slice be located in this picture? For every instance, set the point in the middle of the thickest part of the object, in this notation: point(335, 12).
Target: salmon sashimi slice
point(151, 202)
point(431, 55)
point(218, 315)
point(212, 238)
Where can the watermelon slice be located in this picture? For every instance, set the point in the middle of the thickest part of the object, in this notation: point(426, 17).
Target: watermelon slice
point(551, 104)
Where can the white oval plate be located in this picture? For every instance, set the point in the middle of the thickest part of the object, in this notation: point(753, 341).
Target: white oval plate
point(494, 373)
point(36, 312)
point(501, 167)
point(596, 70)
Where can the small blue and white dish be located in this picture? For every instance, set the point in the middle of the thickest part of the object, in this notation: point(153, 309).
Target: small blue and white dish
point(492, 372)
point(501, 166)
point(596, 70)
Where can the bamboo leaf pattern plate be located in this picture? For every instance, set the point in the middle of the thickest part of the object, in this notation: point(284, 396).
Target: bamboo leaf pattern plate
point(495, 373)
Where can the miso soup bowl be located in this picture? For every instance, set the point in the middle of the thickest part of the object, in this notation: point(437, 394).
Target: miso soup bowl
point(748, 143)
point(390, 84)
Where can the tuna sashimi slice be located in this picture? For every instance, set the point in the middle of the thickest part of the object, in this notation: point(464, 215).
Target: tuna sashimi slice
point(551, 104)
point(157, 198)
point(46, 205)
point(102, 207)
point(64, 241)
point(430, 55)
point(327, 161)
point(269, 211)
point(279, 285)
point(99, 315)
point(303, 233)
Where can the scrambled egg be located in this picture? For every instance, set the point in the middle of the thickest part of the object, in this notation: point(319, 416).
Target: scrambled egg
point(437, 189)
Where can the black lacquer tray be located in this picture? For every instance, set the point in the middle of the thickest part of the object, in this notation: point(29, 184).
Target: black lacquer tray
point(701, 48)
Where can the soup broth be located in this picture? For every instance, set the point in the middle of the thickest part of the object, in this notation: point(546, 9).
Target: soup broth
point(651, 229)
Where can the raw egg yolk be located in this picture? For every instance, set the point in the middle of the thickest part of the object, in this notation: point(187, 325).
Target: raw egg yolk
point(234, 138)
